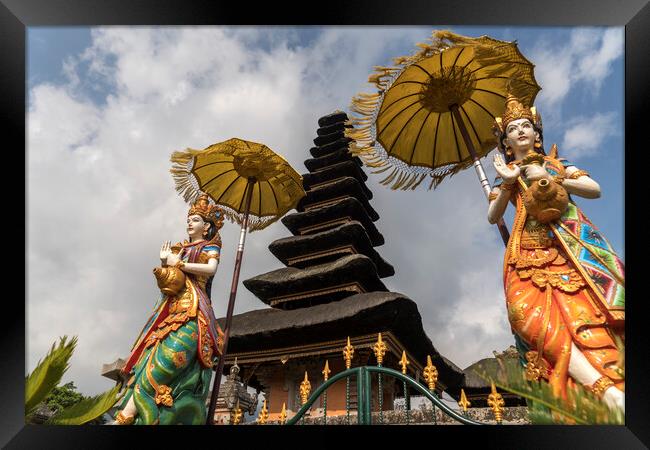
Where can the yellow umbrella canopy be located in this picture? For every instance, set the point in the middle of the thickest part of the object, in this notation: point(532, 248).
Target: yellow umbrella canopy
point(409, 125)
point(225, 170)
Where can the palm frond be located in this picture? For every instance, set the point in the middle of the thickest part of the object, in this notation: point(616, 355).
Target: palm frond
point(87, 409)
point(48, 373)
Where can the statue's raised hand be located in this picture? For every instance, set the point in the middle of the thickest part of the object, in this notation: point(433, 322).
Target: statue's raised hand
point(507, 174)
point(165, 250)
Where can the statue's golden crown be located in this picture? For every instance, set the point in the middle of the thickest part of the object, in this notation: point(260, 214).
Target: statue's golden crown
point(516, 110)
point(209, 213)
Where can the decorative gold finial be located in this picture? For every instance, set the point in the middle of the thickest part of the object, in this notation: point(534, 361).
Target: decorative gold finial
point(464, 403)
point(326, 371)
point(236, 415)
point(305, 389)
point(208, 212)
point(348, 353)
point(283, 414)
point(404, 362)
point(495, 401)
point(430, 374)
point(380, 350)
point(264, 414)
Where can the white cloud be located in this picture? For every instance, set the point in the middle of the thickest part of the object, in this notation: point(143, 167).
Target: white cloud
point(584, 135)
point(586, 57)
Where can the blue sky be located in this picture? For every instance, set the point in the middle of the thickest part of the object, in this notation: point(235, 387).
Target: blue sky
point(108, 106)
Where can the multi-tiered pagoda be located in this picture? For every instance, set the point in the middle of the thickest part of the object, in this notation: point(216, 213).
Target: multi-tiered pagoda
point(330, 289)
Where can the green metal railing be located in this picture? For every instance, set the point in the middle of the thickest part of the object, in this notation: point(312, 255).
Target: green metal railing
point(364, 395)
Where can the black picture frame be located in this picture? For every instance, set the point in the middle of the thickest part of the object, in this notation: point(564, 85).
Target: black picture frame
point(16, 15)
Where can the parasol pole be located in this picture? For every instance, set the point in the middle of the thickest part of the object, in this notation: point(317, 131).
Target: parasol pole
point(485, 184)
point(231, 302)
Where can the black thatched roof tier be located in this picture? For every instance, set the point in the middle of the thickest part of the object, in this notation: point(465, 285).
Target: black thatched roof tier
point(312, 249)
point(334, 172)
point(328, 138)
point(367, 313)
point(291, 288)
point(314, 164)
point(331, 216)
point(328, 193)
point(323, 150)
point(336, 116)
point(328, 129)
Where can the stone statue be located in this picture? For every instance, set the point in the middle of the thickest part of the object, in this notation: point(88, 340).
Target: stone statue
point(170, 365)
point(564, 284)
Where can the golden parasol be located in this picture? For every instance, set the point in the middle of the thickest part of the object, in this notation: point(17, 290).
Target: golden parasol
point(434, 111)
point(225, 170)
point(252, 184)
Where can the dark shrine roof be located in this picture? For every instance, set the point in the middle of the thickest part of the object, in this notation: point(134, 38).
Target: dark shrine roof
point(344, 210)
point(346, 186)
point(291, 281)
point(326, 149)
point(359, 314)
point(335, 171)
point(349, 234)
point(341, 155)
point(332, 118)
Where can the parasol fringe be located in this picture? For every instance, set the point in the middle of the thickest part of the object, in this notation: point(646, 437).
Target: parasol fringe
point(382, 170)
point(386, 181)
point(359, 121)
point(408, 182)
point(255, 223)
point(399, 181)
point(417, 183)
point(184, 181)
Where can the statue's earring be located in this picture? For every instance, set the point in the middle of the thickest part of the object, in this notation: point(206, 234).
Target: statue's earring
point(508, 151)
point(538, 143)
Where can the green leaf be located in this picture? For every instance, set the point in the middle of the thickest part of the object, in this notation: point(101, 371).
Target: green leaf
point(87, 409)
point(48, 373)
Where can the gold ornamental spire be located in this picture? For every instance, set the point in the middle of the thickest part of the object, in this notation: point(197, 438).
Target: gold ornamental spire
point(283, 414)
point(305, 389)
point(380, 350)
point(430, 374)
point(404, 362)
point(348, 353)
point(326, 371)
point(236, 415)
point(495, 401)
point(264, 414)
point(464, 403)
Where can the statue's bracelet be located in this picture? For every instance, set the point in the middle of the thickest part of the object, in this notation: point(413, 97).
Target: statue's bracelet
point(508, 186)
point(577, 174)
point(180, 264)
point(558, 179)
point(601, 385)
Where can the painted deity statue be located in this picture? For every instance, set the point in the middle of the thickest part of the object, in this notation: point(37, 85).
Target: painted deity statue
point(170, 365)
point(564, 284)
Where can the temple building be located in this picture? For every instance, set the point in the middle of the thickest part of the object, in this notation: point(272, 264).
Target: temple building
point(330, 288)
